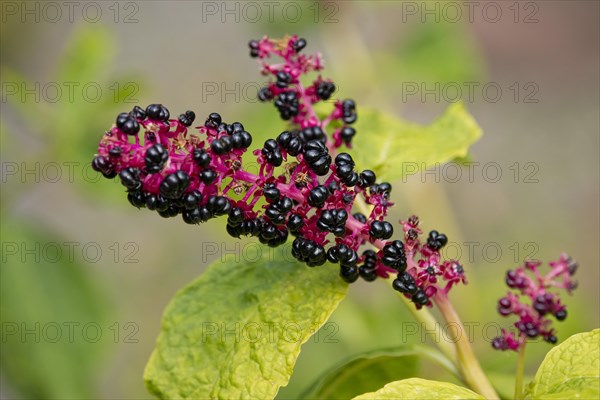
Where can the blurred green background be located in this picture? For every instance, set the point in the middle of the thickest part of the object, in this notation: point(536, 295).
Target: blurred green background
point(85, 277)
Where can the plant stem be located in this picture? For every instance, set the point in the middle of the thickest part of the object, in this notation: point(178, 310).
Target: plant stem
point(431, 326)
point(469, 365)
point(520, 370)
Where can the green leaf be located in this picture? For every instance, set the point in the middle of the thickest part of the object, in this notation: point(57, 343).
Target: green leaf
point(394, 148)
point(371, 370)
point(236, 331)
point(54, 330)
point(416, 388)
point(570, 370)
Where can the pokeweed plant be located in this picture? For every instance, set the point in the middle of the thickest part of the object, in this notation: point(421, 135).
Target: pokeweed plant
point(309, 188)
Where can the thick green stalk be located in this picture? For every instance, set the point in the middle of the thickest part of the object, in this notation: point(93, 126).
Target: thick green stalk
point(469, 365)
point(520, 371)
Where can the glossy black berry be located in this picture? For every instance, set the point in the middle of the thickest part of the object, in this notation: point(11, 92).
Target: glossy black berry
point(366, 178)
point(342, 254)
point(384, 189)
point(138, 112)
point(218, 205)
point(309, 252)
point(299, 45)
point(333, 221)
point(290, 142)
point(561, 315)
point(173, 185)
point(191, 200)
point(283, 79)
point(277, 211)
point(130, 178)
point(420, 298)
point(317, 157)
point(287, 104)
point(318, 196)
point(187, 119)
point(312, 133)
point(201, 157)
point(128, 124)
point(253, 45)
point(271, 192)
point(436, 240)
point(207, 176)
point(405, 283)
point(213, 120)
point(349, 274)
point(157, 112)
point(381, 230)
point(241, 140)
point(196, 215)
point(155, 158)
point(295, 222)
point(360, 217)
point(325, 90)
point(393, 256)
point(137, 198)
point(236, 217)
point(347, 133)
point(271, 153)
point(265, 94)
point(349, 111)
point(101, 164)
point(116, 151)
point(157, 202)
point(345, 169)
point(222, 145)
point(369, 266)
point(550, 338)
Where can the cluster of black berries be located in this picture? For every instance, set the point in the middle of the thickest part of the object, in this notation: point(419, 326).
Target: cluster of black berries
point(405, 283)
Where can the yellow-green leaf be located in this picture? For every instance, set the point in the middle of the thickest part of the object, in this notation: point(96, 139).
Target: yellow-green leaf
point(394, 148)
point(236, 331)
point(570, 370)
point(416, 388)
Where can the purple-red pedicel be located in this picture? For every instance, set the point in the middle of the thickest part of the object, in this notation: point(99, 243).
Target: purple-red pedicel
point(303, 187)
point(534, 320)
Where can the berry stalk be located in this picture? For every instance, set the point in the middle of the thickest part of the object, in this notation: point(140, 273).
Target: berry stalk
point(519, 373)
point(471, 370)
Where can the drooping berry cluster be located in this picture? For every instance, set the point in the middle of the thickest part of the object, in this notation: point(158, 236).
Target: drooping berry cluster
point(304, 187)
point(533, 316)
point(426, 273)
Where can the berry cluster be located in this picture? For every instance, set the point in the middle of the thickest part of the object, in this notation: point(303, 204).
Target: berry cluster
point(425, 273)
point(533, 317)
point(304, 186)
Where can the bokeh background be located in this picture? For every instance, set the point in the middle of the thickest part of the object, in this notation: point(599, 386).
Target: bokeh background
point(85, 277)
